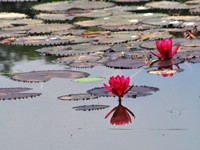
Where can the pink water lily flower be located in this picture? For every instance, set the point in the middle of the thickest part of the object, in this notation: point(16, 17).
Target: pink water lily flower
point(118, 85)
point(165, 49)
point(120, 116)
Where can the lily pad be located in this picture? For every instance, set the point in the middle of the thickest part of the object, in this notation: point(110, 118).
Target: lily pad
point(169, 5)
point(94, 14)
point(41, 40)
point(133, 45)
point(74, 49)
point(90, 107)
point(85, 64)
point(89, 79)
point(165, 72)
point(126, 63)
point(76, 97)
point(136, 91)
point(166, 63)
point(7, 34)
point(194, 60)
point(119, 37)
point(43, 76)
point(63, 7)
point(129, 1)
point(54, 17)
point(79, 58)
point(16, 93)
point(11, 16)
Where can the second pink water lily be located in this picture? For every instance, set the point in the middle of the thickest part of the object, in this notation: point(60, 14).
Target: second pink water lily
point(165, 49)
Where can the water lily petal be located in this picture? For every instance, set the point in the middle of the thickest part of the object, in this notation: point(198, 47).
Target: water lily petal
point(175, 50)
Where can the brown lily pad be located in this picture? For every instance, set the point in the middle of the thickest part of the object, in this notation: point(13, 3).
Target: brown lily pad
point(11, 16)
point(7, 34)
point(194, 60)
point(165, 72)
point(16, 93)
point(79, 58)
point(169, 5)
point(76, 97)
point(126, 63)
point(85, 64)
point(43, 76)
point(166, 63)
point(136, 91)
point(90, 107)
point(63, 7)
point(74, 49)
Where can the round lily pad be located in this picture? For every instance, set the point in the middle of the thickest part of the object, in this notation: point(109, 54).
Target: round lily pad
point(74, 49)
point(54, 17)
point(166, 63)
point(7, 34)
point(154, 35)
point(41, 40)
point(79, 58)
point(18, 22)
point(136, 91)
point(94, 14)
point(119, 37)
point(85, 64)
point(48, 28)
point(16, 93)
point(162, 22)
point(126, 63)
point(165, 72)
point(43, 76)
point(9, 15)
point(90, 107)
point(129, 1)
point(133, 45)
point(169, 5)
point(63, 7)
point(194, 60)
point(89, 79)
point(18, 0)
point(76, 97)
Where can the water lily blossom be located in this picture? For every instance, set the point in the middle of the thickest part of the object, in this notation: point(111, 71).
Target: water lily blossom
point(165, 49)
point(119, 85)
point(120, 116)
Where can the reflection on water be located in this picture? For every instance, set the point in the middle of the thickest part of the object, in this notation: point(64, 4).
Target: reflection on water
point(121, 115)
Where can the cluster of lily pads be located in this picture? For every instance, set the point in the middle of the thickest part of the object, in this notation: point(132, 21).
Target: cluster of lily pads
point(85, 34)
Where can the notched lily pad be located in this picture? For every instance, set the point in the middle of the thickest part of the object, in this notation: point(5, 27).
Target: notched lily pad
point(166, 63)
point(54, 17)
point(43, 76)
point(194, 60)
point(76, 97)
point(126, 63)
point(136, 91)
point(169, 5)
point(79, 58)
point(89, 79)
point(63, 7)
point(74, 49)
point(90, 107)
point(85, 64)
point(8, 16)
point(16, 93)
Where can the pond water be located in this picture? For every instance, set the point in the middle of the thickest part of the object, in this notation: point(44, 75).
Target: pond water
point(167, 119)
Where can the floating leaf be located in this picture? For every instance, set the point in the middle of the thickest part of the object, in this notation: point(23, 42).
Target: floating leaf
point(136, 91)
point(129, 1)
point(43, 76)
point(16, 93)
point(90, 107)
point(54, 17)
point(56, 7)
point(73, 49)
point(194, 60)
point(79, 58)
point(165, 72)
point(76, 97)
point(89, 79)
point(85, 64)
point(166, 63)
point(10, 16)
point(169, 5)
point(8, 34)
point(126, 63)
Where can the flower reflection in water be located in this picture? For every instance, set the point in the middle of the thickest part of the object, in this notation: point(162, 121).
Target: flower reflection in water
point(166, 68)
point(121, 115)
point(119, 86)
